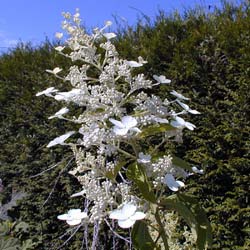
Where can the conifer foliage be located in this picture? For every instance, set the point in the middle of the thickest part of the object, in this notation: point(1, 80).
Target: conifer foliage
point(206, 54)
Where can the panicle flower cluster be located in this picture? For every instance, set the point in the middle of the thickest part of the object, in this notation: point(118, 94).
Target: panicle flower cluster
point(116, 110)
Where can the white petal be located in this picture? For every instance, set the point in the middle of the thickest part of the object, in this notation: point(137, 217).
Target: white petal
point(128, 209)
point(135, 129)
point(190, 126)
point(126, 223)
point(117, 123)
point(180, 120)
point(138, 216)
point(60, 113)
point(134, 64)
point(120, 131)
point(117, 214)
point(180, 183)
point(74, 222)
point(172, 183)
point(63, 217)
point(47, 91)
point(129, 121)
point(161, 79)
point(198, 171)
point(109, 35)
point(59, 48)
point(60, 139)
point(193, 111)
point(178, 95)
point(183, 105)
point(78, 194)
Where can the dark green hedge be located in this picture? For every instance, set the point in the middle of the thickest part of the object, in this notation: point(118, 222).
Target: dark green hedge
point(207, 56)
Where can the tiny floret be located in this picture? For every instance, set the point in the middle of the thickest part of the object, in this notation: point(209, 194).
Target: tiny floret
point(127, 215)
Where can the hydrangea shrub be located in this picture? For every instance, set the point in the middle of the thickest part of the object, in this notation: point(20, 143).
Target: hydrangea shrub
point(127, 179)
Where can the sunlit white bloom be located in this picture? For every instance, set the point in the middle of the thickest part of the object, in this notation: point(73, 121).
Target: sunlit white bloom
point(47, 92)
point(186, 108)
point(54, 71)
point(127, 123)
point(108, 23)
point(141, 60)
point(60, 139)
point(134, 64)
point(60, 48)
point(181, 123)
point(127, 215)
point(178, 95)
point(67, 95)
point(60, 113)
point(59, 35)
point(174, 185)
point(73, 217)
point(144, 159)
point(198, 171)
point(161, 79)
point(109, 35)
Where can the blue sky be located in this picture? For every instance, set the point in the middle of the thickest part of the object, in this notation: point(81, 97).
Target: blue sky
point(33, 20)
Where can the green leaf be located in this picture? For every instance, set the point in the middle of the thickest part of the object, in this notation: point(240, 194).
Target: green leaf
point(194, 215)
point(141, 237)
point(181, 163)
point(155, 129)
point(203, 229)
point(137, 174)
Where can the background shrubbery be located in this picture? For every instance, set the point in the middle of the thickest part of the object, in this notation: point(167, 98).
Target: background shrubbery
point(207, 56)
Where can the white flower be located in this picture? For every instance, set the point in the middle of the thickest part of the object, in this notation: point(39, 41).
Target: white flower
point(60, 139)
point(174, 185)
point(47, 92)
point(60, 113)
point(59, 35)
point(141, 60)
point(134, 64)
point(198, 171)
point(128, 123)
point(54, 71)
point(109, 35)
point(161, 79)
point(73, 217)
point(60, 48)
point(144, 159)
point(178, 95)
point(66, 96)
point(181, 123)
point(127, 215)
point(186, 107)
